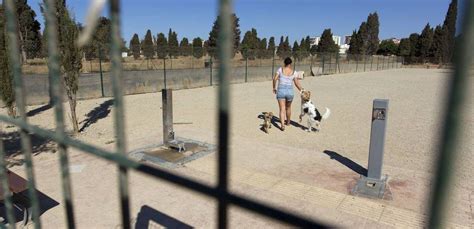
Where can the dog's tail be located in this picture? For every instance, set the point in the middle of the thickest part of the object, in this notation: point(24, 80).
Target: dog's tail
point(327, 113)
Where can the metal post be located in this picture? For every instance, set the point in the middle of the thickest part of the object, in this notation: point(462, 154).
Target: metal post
point(322, 60)
point(246, 68)
point(167, 108)
point(371, 62)
point(210, 67)
point(365, 61)
point(373, 185)
point(357, 64)
point(101, 76)
point(273, 63)
point(164, 71)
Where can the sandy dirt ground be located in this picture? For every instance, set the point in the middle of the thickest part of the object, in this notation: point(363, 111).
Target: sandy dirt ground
point(305, 173)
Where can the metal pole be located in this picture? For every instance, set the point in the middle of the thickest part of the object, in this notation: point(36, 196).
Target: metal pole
point(365, 61)
point(164, 71)
point(210, 67)
point(357, 63)
point(454, 105)
point(167, 108)
point(101, 76)
point(246, 68)
point(322, 60)
point(371, 62)
point(273, 63)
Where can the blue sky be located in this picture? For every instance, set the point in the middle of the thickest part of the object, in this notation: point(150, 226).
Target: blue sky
point(295, 18)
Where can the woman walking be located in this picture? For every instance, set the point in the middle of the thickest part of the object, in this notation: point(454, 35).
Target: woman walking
point(284, 92)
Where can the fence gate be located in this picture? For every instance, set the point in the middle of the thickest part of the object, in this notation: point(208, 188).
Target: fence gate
point(220, 193)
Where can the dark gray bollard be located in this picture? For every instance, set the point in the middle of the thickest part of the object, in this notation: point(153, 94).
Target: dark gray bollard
point(167, 108)
point(373, 185)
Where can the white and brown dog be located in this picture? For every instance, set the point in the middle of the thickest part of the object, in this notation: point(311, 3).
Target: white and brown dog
point(307, 107)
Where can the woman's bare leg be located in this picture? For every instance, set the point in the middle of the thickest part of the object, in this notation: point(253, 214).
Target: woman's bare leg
point(288, 112)
point(281, 104)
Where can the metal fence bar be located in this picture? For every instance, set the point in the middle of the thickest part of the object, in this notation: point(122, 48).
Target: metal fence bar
point(7, 195)
point(187, 183)
point(225, 49)
point(56, 99)
point(20, 103)
point(117, 86)
point(463, 58)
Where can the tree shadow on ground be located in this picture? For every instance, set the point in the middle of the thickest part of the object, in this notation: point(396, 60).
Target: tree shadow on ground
point(347, 162)
point(151, 218)
point(100, 112)
point(12, 146)
point(276, 120)
point(38, 110)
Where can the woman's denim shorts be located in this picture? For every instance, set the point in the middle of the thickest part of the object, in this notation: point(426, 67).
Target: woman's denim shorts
point(285, 93)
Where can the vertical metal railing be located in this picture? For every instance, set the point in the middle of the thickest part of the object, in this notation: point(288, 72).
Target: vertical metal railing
point(15, 63)
point(56, 99)
point(117, 88)
point(225, 49)
point(448, 149)
point(7, 195)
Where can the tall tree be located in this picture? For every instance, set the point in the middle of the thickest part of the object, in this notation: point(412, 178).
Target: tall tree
point(197, 47)
point(327, 44)
point(449, 27)
point(162, 46)
point(135, 46)
point(404, 48)
point(372, 33)
point(296, 52)
point(70, 56)
point(212, 41)
point(387, 47)
point(424, 43)
point(250, 44)
point(173, 44)
point(148, 49)
point(284, 49)
point(271, 47)
point(414, 48)
point(7, 93)
point(100, 42)
point(354, 44)
point(29, 28)
point(185, 47)
point(262, 49)
point(436, 49)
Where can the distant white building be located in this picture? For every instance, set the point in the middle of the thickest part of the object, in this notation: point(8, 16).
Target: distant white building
point(315, 40)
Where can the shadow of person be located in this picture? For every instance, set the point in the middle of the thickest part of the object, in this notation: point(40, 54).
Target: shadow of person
point(100, 112)
point(347, 162)
point(149, 217)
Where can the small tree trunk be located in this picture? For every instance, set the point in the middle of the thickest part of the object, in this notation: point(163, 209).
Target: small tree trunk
point(72, 106)
point(22, 48)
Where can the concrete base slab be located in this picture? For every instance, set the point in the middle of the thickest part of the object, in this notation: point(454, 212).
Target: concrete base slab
point(165, 156)
point(368, 187)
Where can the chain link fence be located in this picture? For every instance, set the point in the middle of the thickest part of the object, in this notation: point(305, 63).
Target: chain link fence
point(196, 69)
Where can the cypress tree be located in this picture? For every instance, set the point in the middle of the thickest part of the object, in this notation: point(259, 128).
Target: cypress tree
point(387, 47)
point(7, 93)
point(296, 51)
point(436, 49)
point(404, 47)
point(197, 47)
point(327, 44)
point(173, 43)
point(70, 56)
point(414, 48)
point(135, 46)
point(29, 28)
point(354, 44)
point(271, 47)
point(212, 41)
point(449, 27)
point(372, 33)
point(161, 46)
point(148, 49)
point(424, 43)
point(184, 47)
point(262, 48)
